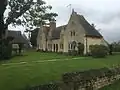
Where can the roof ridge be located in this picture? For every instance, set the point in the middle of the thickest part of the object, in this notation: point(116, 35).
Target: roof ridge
point(61, 26)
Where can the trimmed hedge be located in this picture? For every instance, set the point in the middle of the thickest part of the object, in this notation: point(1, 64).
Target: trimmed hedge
point(98, 51)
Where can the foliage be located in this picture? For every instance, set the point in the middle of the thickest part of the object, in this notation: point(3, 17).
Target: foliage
point(33, 38)
point(3, 4)
point(80, 48)
point(110, 49)
point(29, 13)
point(72, 52)
point(98, 50)
point(5, 49)
point(116, 46)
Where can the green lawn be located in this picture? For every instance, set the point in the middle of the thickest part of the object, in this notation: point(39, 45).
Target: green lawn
point(115, 86)
point(16, 76)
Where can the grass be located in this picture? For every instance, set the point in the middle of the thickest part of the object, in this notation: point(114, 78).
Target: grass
point(15, 76)
point(115, 86)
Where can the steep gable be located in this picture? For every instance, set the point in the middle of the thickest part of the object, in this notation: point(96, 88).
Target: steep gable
point(90, 30)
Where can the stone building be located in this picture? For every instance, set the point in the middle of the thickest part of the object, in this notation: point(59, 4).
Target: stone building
point(67, 37)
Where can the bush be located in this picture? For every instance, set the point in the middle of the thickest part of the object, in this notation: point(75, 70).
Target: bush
point(98, 51)
point(60, 52)
point(80, 48)
point(72, 52)
point(5, 50)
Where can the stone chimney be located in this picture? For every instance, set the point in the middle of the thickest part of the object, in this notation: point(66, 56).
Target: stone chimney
point(52, 25)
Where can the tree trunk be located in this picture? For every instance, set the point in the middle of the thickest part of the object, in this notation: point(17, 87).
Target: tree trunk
point(3, 4)
point(4, 46)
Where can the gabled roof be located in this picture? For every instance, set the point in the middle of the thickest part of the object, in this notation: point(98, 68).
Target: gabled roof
point(17, 37)
point(90, 30)
point(56, 32)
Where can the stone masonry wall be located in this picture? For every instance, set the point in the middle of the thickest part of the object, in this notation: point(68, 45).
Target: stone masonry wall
point(87, 80)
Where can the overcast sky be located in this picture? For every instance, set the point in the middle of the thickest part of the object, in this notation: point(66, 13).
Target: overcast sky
point(105, 14)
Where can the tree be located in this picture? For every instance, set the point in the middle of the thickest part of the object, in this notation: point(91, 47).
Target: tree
point(33, 38)
point(80, 48)
point(116, 46)
point(29, 13)
point(110, 49)
point(38, 14)
point(3, 4)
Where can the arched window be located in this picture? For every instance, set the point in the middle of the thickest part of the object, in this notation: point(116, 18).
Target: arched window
point(73, 45)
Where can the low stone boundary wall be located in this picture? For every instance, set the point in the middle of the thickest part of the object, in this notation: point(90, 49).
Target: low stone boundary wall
point(93, 79)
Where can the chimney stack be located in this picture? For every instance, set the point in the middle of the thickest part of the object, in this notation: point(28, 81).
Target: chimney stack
point(52, 25)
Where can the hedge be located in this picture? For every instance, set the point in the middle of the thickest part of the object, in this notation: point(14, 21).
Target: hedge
point(98, 51)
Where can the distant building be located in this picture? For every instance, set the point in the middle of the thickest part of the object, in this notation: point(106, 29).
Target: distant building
point(61, 39)
point(17, 38)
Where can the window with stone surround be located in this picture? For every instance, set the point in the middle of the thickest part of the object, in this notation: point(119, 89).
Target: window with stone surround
point(72, 33)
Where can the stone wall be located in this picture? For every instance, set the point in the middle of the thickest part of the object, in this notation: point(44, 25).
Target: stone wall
point(87, 80)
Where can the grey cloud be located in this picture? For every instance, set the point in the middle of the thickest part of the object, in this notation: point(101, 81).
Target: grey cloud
point(110, 17)
point(105, 14)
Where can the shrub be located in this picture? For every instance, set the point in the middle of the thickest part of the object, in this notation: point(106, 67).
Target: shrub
point(5, 50)
point(98, 51)
point(80, 48)
point(72, 52)
point(60, 52)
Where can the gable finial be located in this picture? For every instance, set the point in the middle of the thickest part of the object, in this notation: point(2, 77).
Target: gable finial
point(73, 11)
